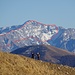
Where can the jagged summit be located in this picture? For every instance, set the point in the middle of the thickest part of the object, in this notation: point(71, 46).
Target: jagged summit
point(4, 30)
point(30, 33)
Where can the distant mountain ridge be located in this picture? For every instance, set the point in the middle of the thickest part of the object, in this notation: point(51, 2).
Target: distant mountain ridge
point(36, 33)
point(4, 30)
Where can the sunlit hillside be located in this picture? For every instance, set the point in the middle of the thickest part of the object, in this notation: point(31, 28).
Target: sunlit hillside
point(11, 64)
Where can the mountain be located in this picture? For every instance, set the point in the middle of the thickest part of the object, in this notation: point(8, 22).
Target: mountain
point(11, 64)
point(30, 33)
point(36, 33)
point(65, 39)
point(49, 54)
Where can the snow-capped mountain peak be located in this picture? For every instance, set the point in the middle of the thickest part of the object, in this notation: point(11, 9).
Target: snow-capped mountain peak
point(30, 33)
point(36, 33)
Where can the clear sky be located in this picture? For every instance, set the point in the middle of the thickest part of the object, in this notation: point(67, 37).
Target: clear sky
point(59, 12)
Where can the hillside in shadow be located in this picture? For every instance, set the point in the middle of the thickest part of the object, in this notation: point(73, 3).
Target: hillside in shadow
point(49, 54)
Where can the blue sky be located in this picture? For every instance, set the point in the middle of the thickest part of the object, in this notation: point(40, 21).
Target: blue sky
point(16, 12)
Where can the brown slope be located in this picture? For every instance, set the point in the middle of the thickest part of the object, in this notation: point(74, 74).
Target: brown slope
point(49, 53)
point(11, 64)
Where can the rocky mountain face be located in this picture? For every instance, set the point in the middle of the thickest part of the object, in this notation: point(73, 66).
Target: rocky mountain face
point(30, 33)
point(48, 53)
point(12, 64)
point(36, 33)
point(65, 39)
